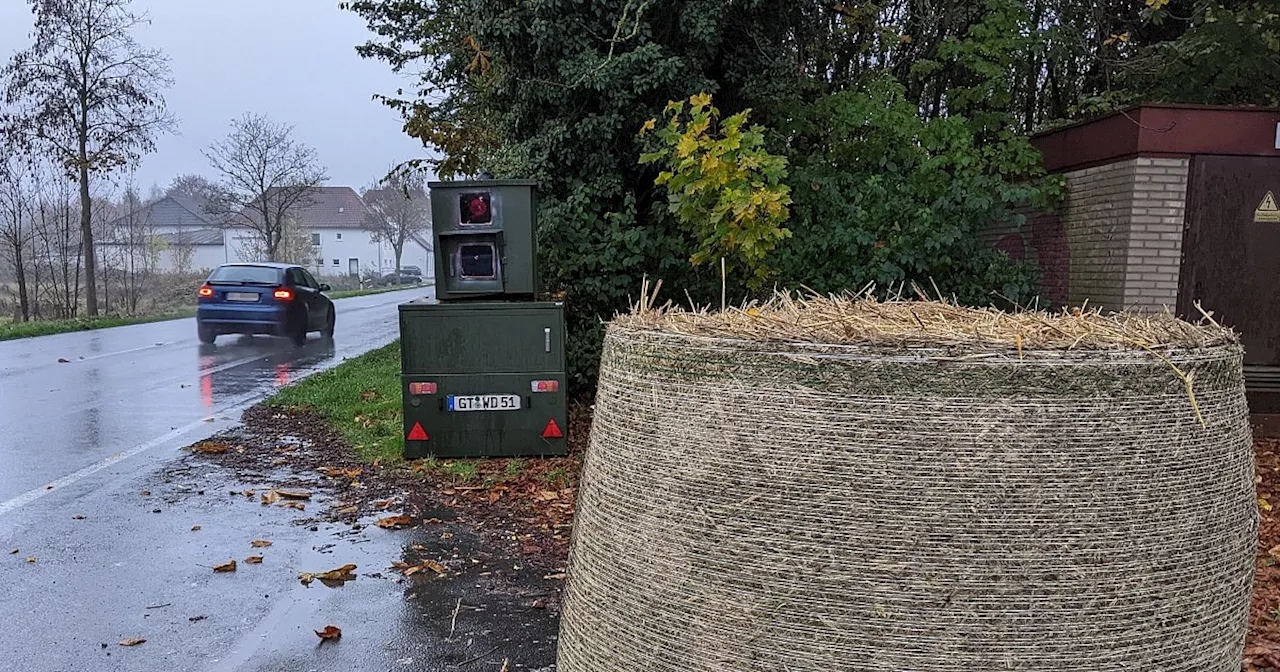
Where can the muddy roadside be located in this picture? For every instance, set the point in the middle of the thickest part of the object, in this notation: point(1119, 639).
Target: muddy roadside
point(483, 547)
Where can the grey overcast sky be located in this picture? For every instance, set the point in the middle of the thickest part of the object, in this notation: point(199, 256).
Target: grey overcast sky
point(293, 60)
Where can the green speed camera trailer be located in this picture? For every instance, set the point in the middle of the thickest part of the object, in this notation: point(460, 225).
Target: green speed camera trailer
point(482, 365)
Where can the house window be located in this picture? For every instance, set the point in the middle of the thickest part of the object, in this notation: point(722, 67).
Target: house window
point(315, 239)
point(339, 236)
point(337, 262)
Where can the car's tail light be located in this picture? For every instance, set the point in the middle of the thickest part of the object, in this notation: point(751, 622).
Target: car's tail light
point(284, 294)
point(205, 291)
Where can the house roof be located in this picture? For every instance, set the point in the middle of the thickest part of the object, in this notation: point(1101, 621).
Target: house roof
point(193, 237)
point(182, 237)
point(326, 208)
point(173, 212)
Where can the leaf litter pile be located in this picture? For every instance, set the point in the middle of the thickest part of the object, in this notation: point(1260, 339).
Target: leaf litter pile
point(528, 501)
point(1262, 651)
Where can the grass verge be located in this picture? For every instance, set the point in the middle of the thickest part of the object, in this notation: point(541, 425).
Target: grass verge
point(360, 398)
point(348, 293)
point(12, 330)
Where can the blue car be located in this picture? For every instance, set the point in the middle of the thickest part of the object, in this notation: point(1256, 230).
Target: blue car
point(268, 298)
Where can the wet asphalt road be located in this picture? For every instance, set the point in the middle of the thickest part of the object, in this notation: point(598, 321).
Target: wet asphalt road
point(128, 387)
point(95, 492)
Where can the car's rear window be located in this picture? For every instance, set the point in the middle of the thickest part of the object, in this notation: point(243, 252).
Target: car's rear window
point(264, 275)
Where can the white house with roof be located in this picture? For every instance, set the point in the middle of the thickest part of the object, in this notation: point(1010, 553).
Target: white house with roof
point(176, 231)
point(183, 237)
point(333, 217)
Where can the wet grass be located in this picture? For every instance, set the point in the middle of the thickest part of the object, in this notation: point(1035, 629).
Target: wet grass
point(348, 293)
point(360, 398)
point(12, 330)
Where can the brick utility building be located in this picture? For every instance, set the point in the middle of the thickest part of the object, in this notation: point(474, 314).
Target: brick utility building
point(1168, 205)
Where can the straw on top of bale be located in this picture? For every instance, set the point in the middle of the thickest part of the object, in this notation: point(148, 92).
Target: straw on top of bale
point(865, 321)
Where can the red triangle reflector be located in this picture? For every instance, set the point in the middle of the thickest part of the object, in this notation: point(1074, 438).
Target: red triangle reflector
point(417, 433)
point(552, 431)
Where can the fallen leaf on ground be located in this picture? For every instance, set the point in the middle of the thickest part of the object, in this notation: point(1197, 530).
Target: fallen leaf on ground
point(132, 642)
point(229, 566)
point(369, 395)
point(270, 497)
point(293, 493)
point(548, 495)
point(426, 564)
point(343, 573)
point(210, 447)
point(77, 517)
point(246, 493)
point(400, 565)
point(253, 560)
point(383, 504)
point(259, 543)
point(145, 493)
point(195, 528)
point(432, 521)
point(349, 509)
point(294, 505)
point(329, 632)
point(394, 521)
point(31, 559)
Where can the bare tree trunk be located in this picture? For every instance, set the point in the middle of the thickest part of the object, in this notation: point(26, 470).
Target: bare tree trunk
point(86, 235)
point(24, 301)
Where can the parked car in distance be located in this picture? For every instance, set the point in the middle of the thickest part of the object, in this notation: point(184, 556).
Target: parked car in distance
point(409, 275)
point(267, 298)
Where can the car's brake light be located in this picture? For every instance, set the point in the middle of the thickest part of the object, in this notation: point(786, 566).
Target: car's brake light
point(284, 294)
point(205, 291)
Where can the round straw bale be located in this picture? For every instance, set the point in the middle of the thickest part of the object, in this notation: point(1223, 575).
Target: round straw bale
point(848, 485)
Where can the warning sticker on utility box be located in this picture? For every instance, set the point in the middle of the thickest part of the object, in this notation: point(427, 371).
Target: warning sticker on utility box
point(1267, 211)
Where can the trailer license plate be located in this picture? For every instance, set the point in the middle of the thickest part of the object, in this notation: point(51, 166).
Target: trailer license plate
point(484, 402)
point(242, 296)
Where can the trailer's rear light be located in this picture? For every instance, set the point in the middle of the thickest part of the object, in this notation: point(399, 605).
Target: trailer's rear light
point(205, 291)
point(545, 386)
point(283, 294)
point(422, 388)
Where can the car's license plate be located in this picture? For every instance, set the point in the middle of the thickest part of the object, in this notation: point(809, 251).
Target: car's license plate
point(242, 296)
point(484, 402)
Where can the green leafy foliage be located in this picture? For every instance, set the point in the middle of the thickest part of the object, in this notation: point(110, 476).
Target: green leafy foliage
point(884, 197)
point(902, 124)
point(722, 184)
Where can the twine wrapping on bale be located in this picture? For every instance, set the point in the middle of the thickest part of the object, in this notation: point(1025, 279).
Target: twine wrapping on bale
point(839, 484)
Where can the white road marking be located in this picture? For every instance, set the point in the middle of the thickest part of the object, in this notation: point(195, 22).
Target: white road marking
point(32, 495)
